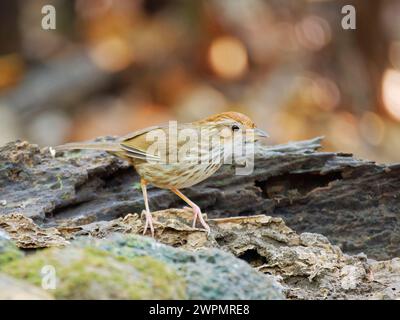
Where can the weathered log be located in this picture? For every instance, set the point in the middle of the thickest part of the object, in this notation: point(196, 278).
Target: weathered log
point(355, 203)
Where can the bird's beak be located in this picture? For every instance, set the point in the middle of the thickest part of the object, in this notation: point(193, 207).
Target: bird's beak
point(261, 133)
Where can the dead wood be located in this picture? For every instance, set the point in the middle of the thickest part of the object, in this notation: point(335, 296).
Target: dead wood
point(355, 203)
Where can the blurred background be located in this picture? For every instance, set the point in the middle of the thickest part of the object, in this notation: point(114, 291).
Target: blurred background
point(114, 66)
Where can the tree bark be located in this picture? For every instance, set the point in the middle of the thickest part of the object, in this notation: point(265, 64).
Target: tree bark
point(355, 203)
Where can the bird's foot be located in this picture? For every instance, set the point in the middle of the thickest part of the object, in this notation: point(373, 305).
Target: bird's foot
point(197, 214)
point(194, 215)
point(148, 223)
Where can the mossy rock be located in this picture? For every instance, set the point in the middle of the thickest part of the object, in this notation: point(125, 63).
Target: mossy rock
point(136, 267)
point(88, 273)
point(209, 273)
point(8, 252)
point(14, 289)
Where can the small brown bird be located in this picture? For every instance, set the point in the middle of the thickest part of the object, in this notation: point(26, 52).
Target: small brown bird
point(179, 156)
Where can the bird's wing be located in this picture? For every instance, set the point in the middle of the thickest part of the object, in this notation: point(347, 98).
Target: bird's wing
point(151, 143)
point(140, 132)
point(136, 144)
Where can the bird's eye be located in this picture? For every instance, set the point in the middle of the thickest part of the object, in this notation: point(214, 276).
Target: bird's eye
point(235, 127)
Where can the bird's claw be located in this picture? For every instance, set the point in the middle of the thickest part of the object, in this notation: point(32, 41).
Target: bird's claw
point(197, 214)
point(148, 223)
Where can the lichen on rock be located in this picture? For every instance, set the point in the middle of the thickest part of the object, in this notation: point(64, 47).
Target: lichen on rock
point(14, 289)
point(137, 267)
point(89, 273)
point(209, 273)
point(8, 251)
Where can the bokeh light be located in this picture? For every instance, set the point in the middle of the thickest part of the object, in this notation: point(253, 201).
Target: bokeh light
point(11, 70)
point(325, 93)
point(313, 33)
point(228, 57)
point(391, 92)
point(344, 132)
point(112, 54)
point(94, 8)
point(394, 54)
point(289, 66)
point(372, 128)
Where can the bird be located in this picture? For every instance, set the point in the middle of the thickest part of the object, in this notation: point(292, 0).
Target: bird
point(176, 156)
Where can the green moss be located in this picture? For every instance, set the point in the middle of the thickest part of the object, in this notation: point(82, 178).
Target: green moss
point(73, 154)
point(137, 186)
point(65, 196)
point(58, 185)
point(209, 273)
point(8, 252)
point(219, 183)
point(89, 273)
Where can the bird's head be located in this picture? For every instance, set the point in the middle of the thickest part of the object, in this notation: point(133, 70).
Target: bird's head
point(229, 124)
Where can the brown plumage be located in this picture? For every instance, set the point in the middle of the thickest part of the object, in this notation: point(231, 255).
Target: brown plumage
point(157, 153)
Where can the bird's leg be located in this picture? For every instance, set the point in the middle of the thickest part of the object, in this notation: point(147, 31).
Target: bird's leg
point(149, 218)
point(195, 207)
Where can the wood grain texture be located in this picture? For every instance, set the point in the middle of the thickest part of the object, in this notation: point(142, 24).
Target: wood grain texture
point(355, 203)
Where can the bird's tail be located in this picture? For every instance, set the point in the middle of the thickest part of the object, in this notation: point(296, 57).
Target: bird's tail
point(104, 146)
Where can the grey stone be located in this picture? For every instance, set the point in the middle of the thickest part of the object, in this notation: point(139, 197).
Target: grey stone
point(210, 273)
